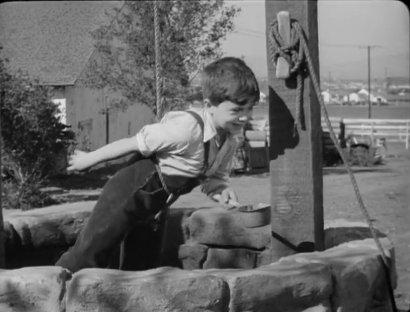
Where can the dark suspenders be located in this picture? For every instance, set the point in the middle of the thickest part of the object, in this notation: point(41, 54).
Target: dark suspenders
point(206, 144)
point(138, 156)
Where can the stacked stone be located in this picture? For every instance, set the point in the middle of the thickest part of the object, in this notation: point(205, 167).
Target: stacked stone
point(346, 278)
point(221, 238)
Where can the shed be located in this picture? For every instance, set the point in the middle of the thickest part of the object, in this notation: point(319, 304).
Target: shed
point(51, 41)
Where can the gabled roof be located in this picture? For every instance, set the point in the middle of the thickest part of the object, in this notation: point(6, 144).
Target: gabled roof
point(51, 39)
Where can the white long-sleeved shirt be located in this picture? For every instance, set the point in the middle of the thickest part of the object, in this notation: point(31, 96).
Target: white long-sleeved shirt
point(178, 143)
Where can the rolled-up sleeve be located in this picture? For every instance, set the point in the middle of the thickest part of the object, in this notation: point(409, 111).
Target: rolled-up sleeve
point(174, 133)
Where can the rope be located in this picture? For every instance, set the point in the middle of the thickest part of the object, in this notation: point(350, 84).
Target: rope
point(294, 54)
point(159, 100)
point(297, 30)
point(158, 69)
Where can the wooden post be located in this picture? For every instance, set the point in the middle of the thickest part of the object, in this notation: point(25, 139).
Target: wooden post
point(295, 159)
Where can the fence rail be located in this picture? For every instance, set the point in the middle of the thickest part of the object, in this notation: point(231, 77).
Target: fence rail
point(393, 130)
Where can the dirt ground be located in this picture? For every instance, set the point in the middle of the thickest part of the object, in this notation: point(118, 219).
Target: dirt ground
point(386, 193)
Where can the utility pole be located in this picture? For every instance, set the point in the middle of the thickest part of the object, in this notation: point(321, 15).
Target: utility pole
point(330, 79)
point(368, 48)
point(106, 112)
point(368, 82)
point(107, 125)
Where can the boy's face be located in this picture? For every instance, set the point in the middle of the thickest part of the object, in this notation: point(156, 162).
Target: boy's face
point(230, 117)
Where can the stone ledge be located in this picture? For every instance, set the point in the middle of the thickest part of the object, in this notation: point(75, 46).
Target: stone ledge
point(221, 227)
point(340, 231)
point(163, 289)
point(360, 283)
point(33, 289)
point(348, 277)
point(287, 286)
point(44, 227)
point(38, 236)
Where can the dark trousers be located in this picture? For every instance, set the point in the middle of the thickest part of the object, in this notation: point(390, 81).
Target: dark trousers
point(128, 201)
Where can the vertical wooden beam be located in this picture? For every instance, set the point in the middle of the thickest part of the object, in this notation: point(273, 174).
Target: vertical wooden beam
point(295, 158)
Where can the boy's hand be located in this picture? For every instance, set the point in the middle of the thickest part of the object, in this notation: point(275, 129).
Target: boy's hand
point(79, 161)
point(227, 197)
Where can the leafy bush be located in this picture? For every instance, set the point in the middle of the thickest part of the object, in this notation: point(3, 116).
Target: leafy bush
point(32, 139)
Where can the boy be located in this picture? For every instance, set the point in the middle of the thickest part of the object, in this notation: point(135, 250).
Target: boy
point(185, 149)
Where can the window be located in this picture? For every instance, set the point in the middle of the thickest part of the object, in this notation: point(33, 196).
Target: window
point(61, 103)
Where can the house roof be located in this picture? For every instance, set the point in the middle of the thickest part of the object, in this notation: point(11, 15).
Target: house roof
point(51, 40)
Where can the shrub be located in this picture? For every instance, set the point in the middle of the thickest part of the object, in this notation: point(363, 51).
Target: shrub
point(32, 138)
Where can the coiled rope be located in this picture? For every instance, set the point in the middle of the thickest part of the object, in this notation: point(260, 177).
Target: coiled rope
point(295, 54)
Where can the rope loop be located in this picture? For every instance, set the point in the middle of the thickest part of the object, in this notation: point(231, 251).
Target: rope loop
point(292, 52)
point(294, 55)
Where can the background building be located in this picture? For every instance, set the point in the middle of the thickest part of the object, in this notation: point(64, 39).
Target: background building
point(51, 41)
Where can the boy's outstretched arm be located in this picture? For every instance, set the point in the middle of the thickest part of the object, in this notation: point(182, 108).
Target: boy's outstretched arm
point(217, 188)
point(82, 160)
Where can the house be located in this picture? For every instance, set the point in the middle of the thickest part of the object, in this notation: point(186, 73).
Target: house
point(374, 99)
point(353, 98)
point(52, 42)
point(326, 96)
point(398, 89)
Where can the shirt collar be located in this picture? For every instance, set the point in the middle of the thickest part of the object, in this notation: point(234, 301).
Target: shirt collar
point(209, 126)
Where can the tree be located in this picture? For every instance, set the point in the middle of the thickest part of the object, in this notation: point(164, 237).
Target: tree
point(32, 139)
point(191, 33)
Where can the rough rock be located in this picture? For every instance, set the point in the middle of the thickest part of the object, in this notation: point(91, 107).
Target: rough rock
point(174, 236)
point(164, 289)
point(220, 227)
point(340, 231)
point(277, 287)
point(192, 256)
point(360, 283)
point(49, 226)
point(319, 308)
point(236, 258)
point(32, 289)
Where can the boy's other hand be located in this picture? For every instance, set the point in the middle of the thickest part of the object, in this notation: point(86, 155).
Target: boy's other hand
point(78, 161)
point(227, 197)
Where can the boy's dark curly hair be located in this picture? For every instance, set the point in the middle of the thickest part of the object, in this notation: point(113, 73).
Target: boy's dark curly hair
point(229, 79)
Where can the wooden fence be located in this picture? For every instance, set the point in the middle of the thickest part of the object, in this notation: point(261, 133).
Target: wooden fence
point(392, 130)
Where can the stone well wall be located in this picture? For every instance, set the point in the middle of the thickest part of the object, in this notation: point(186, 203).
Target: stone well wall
point(346, 277)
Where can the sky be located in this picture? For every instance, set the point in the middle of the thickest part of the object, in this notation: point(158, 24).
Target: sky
point(345, 29)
